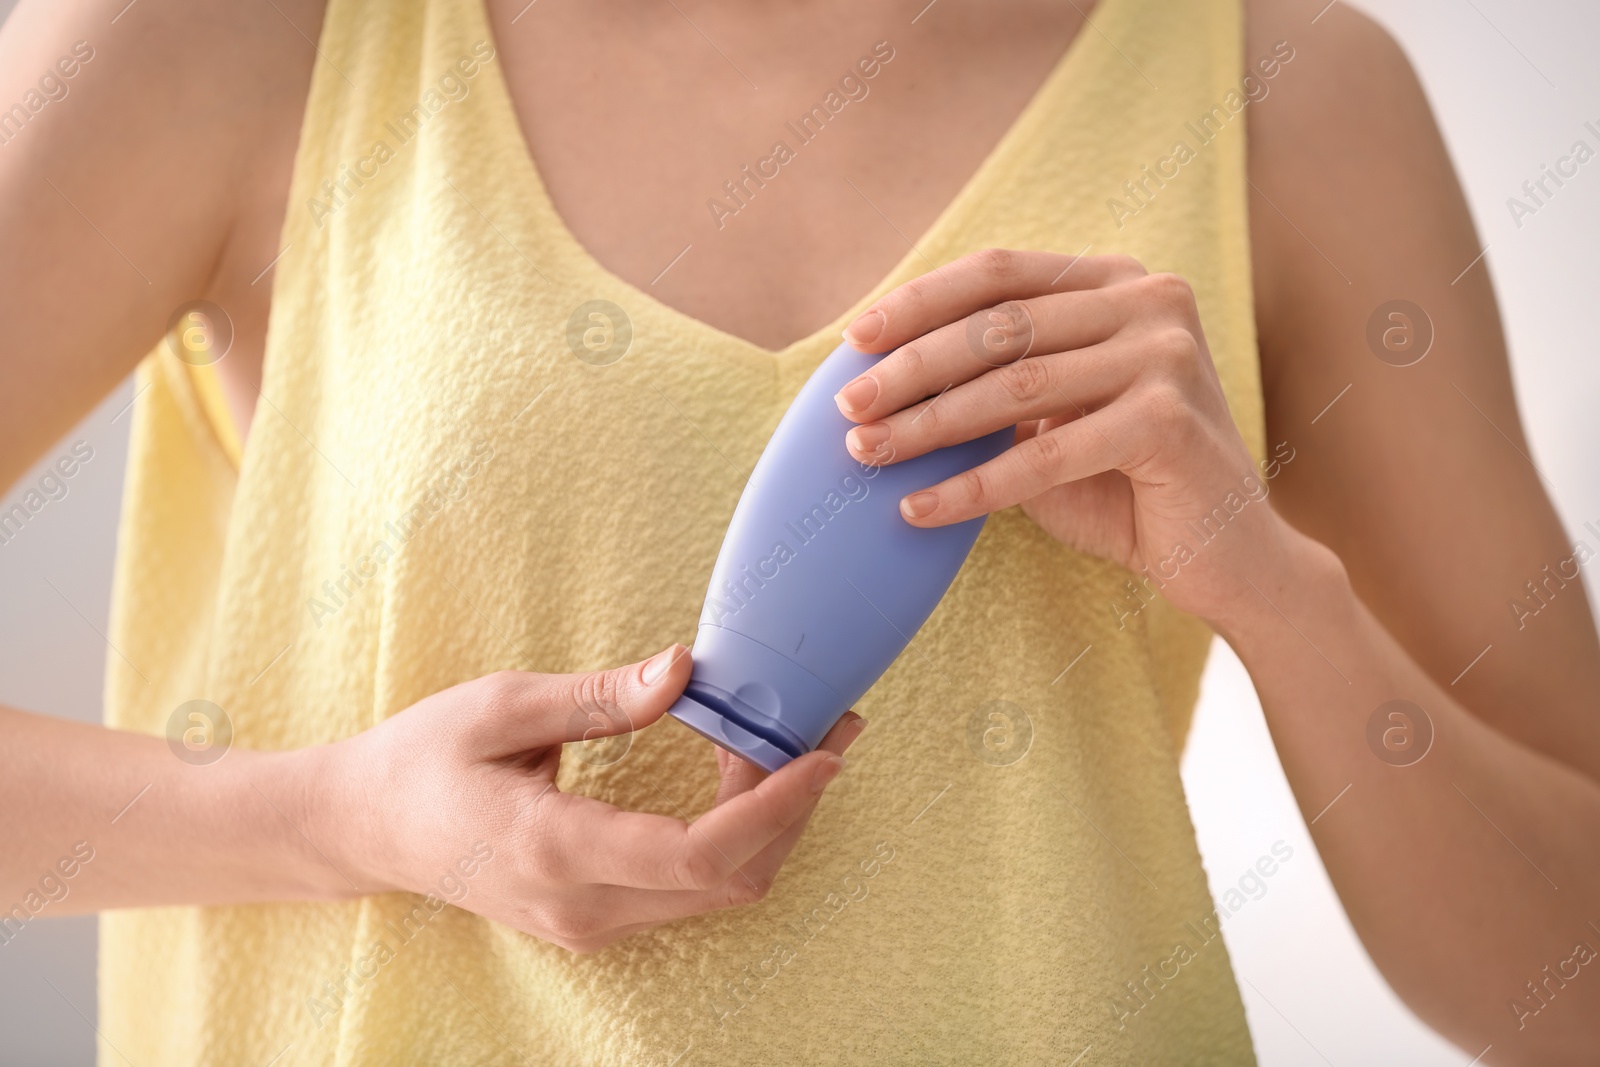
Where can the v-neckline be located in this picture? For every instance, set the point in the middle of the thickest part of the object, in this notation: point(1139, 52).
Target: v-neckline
point(903, 270)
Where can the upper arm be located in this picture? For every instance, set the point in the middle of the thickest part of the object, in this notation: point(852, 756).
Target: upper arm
point(119, 187)
point(1419, 477)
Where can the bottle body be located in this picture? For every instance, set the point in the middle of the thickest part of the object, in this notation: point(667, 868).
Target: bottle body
point(820, 583)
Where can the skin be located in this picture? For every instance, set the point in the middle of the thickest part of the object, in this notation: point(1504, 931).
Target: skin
point(1391, 575)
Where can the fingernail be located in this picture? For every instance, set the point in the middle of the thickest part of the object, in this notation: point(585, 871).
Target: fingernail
point(917, 505)
point(657, 665)
point(865, 330)
point(826, 772)
point(861, 724)
point(868, 438)
point(858, 394)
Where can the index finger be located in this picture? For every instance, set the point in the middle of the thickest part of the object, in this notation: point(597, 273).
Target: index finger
point(588, 841)
point(740, 775)
point(763, 869)
point(972, 283)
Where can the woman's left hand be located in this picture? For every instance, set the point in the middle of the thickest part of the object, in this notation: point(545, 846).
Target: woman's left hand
point(1125, 447)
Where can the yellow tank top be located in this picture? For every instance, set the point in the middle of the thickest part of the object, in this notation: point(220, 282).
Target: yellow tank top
point(446, 477)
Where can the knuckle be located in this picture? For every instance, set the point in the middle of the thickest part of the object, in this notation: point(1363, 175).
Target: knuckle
point(1125, 266)
point(545, 866)
point(914, 293)
point(1175, 348)
point(1026, 380)
point(740, 890)
point(1042, 454)
point(1169, 290)
point(697, 866)
point(997, 264)
point(572, 924)
point(481, 714)
point(572, 927)
point(974, 485)
point(1166, 407)
point(909, 361)
point(501, 687)
point(926, 421)
point(540, 869)
point(599, 691)
point(541, 862)
point(1001, 334)
point(541, 918)
point(775, 816)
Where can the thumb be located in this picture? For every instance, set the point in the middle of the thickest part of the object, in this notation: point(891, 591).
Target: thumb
point(549, 709)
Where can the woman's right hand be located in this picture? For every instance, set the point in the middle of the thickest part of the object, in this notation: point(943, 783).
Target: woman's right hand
point(475, 766)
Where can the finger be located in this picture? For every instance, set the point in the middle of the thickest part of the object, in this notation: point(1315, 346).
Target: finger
point(973, 283)
point(587, 918)
point(988, 339)
point(1065, 385)
point(740, 775)
point(610, 912)
point(842, 734)
point(767, 863)
point(1054, 457)
point(579, 840)
point(523, 710)
point(593, 916)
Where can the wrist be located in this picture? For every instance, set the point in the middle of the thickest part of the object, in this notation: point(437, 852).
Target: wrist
point(306, 786)
point(1293, 570)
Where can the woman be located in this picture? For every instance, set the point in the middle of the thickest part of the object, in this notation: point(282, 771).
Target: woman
point(498, 305)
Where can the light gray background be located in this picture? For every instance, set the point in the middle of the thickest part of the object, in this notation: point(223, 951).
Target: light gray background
point(1512, 85)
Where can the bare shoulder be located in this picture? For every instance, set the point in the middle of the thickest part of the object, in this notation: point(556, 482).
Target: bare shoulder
point(143, 145)
point(168, 87)
point(1346, 70)
point(1347, 136)
point(1346, 40)
point(1384, 363)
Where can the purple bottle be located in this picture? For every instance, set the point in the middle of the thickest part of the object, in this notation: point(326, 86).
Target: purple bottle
point(820, 583)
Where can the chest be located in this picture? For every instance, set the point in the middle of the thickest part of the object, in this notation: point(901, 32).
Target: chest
point(760, 167)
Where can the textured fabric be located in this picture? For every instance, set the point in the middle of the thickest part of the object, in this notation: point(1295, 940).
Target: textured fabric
point(429, 439)
point(214, 404)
